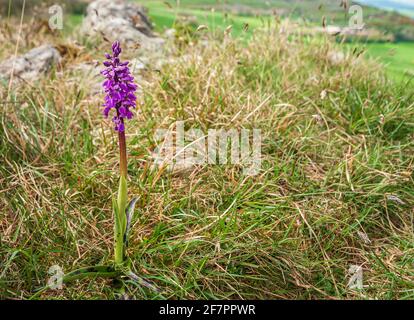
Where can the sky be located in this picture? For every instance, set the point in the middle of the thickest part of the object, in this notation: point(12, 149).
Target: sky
point(409, 2)
point(405, 7)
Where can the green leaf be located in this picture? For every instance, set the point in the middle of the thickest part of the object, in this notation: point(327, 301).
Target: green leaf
point(118, 234)
point(140, 281)
point(122, 201)
point(129, 213)
point(116, 212)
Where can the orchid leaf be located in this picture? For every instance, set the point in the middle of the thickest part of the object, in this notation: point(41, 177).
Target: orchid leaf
point(118, 230)
point(95, 271)
point(129, 212)
point(141, 282)
point(116, 212)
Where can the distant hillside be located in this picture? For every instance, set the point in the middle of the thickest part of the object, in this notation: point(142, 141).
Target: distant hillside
point(314, 11)
point(390, 4)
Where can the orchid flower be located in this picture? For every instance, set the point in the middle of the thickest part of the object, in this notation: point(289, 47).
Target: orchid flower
point(120, 97)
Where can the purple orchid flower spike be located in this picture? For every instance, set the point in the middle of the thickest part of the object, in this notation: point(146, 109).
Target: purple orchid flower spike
point(119, 88)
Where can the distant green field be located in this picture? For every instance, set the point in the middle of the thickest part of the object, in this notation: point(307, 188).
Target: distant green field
point(398, 57)
point(164, 17)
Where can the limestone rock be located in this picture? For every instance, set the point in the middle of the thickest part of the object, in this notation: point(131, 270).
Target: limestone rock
point(123, 21)
point(31, 65)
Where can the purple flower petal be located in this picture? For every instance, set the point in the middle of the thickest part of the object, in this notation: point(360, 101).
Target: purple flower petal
point(119, 87)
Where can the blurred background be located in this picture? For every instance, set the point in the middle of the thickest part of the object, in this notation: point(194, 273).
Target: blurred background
point(388, 33)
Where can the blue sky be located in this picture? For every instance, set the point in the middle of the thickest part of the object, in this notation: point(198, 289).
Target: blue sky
point(405, 7)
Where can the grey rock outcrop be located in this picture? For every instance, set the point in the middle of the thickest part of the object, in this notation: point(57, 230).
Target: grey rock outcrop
point(121, 20)
point(31, 65)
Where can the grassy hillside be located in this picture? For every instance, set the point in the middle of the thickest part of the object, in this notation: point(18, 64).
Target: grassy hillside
point(335, 190)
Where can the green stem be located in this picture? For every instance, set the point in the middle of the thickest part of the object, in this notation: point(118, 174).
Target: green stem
point(122, 154)
point(120, 215)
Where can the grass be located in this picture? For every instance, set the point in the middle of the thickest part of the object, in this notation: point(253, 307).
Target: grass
point(335, 189)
